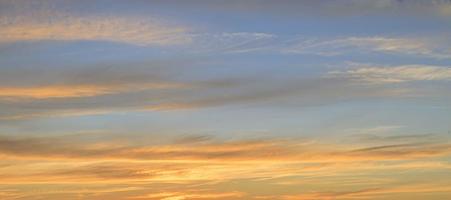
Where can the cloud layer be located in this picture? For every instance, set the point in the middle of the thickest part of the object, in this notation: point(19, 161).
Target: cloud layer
point(242, 100)
point(187, 162)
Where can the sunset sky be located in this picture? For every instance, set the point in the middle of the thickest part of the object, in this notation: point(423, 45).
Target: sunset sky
point(229, 100)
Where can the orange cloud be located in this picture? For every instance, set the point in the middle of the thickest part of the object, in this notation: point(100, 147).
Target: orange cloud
point(206, 163)
point(370, 193)
point(66, 91)
point(290, 151)
point(52, 25)
point(190, 195)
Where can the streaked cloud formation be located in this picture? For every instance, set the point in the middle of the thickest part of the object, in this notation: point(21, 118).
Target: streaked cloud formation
point(406, 46)
point(62, 91)
point(327, 7)
point(193, 160)
point(103, 29)
point(258, 99)
point(398, 74)
point(45, 23)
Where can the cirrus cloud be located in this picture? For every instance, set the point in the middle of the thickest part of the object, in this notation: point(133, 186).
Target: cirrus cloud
point(52, 25)
point(396, 74)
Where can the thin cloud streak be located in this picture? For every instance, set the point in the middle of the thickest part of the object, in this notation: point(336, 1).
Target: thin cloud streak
point(68, 91)
point(370, 193)
point(412, 46)
point(396, 74)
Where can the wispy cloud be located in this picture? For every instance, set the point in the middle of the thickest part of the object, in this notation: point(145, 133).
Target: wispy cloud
point(370, 193)
point(390, 45)
point(190, 95)
point(190, 195)
point(65, 91)
point(396, 74)
point(247, 150)
point(50, 24)
point(198, 166)
point(248, 42)
point(160, 87)
point(327, 7)
point(232, 42)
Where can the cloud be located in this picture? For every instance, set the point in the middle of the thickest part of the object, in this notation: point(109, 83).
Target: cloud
point(190, 195)
point(232, 42)
point(445, 10)
point(376, 130)
point(172, 95)
point(68, 192)
point(246, 150)
point(33, 147)
point(173, 85)
point(201, 167)
point(371, 193)
point(396, 74)
point(44, 22)
point(436, 47)
point(391, 45)
point(67, 91)
point(394, 138)
point(412, 46)
point(326, 8)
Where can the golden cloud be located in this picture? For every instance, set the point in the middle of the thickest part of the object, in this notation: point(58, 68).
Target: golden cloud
point(62, 26)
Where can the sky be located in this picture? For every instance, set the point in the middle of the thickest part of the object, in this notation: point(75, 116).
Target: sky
point(213, 99)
